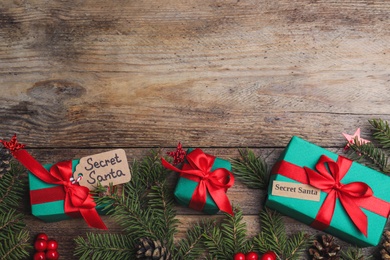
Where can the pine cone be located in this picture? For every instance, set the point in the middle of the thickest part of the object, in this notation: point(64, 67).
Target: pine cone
point(385, 252)
point(149, 249)
point(5, 157)
point(327, 250)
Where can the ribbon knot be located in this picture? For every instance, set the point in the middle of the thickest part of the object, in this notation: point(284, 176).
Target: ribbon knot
point(198, 168)
point(327, 178)
point(338, 186)
point(77, 197)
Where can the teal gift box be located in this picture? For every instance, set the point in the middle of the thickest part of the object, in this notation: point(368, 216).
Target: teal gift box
point(301, 187)
point(47, 200)
point(203, 182)
point(186, 187)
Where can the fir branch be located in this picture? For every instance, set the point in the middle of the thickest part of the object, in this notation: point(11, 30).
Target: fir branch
point(13, 233)
point(11, 188)
point(252, 170)
point(162, 203)
point(144, 208)
point(354, 253)
point(104, 246)
point(376, 157)
point(381, 132)
point(191, 247)
point(10, 222)
point(233, 229)
point(296, 246)
point(215, 244)
point(228, 238)
point(273, 235)
point(15, 246)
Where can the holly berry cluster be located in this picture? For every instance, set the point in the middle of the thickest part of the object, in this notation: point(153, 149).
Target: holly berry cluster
point(46, 249)
point(269, 255)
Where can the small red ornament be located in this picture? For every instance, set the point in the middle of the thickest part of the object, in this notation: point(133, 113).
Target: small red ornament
point(179, 155)
point(251, 256)
point(239, 256)
point(40, 256)
point(42, 236)
point(52, 244)
point(40, 245)
point(269, 255)
point(52, 255)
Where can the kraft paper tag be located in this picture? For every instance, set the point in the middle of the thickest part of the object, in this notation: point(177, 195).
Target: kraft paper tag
point(104, 168)
point(295, 190)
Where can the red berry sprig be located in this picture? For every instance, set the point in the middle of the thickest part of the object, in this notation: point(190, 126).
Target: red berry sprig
point(46, 249)
point(247, 256)
point(269, 255)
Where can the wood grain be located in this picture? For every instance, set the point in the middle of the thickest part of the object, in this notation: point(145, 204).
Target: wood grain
point(81, 77)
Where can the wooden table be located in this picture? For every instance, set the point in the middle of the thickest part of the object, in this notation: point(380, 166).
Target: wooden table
point(82, 77)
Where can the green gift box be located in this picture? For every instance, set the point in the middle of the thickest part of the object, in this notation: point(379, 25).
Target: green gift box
point(301, 187)
point(47, 200)
point(203, 178)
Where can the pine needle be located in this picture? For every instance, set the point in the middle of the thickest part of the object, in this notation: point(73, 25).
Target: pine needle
point(15, 246)
point(273, 237)
point(104, 246)
point(13, 233)
point(354, 253)
point(371, 156)
point(191, 247)
point(273, 234)
point(252, 170)
point(381, 132)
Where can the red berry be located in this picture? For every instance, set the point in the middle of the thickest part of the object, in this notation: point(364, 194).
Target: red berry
point(251, 256)
point(239, 256)
point(52, 255)
point(40, 245)
point(40, 256)
point(42, 236)
point(52, 244)
point(269, 255)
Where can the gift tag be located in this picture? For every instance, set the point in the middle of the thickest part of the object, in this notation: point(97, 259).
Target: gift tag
point(295, 190)
point(104, 168)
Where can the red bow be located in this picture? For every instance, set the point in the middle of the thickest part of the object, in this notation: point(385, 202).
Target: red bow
point(77, 198)
point(216, 182)
point(327, 178)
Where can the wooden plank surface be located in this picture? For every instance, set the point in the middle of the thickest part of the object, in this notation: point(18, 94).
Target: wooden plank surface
point(78, 77)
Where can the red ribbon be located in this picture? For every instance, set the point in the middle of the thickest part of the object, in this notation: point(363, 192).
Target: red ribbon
point(327, 178)
point(216, 182)
point(77, 198)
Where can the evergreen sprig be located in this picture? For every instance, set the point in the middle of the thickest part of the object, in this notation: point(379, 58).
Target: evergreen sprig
point(381, 132)
point(227, 238)
point(13, 233)
point(143, 209)
point(252, 170)
point(273, 237)
point(370, 155)
point(354, 253)
point(104, 246)
point(191, 247)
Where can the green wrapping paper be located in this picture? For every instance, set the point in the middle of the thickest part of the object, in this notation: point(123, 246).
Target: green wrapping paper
point(305, 154)
point(52, 208)
point(185, 188)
